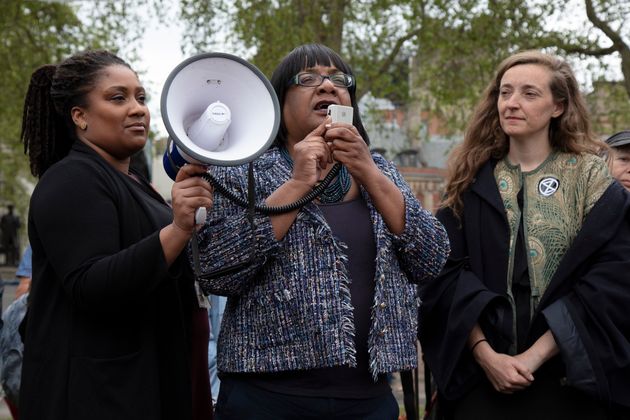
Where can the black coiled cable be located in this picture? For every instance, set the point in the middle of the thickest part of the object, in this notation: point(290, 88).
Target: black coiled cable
point(262, 208)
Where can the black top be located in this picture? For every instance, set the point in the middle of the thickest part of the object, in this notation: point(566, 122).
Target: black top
point(351, 224)
point(108, 332)
point(521, 288)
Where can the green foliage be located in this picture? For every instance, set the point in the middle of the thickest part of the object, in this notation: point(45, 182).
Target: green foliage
point(264, 31)
point(455, 44)
point(601, 33)
point(33, 33)
point(461, 45)
point(609, 107)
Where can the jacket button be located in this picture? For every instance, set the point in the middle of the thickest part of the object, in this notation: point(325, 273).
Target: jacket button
point(382, 305)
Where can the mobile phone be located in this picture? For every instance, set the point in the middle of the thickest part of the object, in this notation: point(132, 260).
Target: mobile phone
point(340, 113)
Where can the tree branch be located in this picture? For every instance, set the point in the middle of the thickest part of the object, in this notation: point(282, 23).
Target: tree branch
point(618, 43)
point(577, 49)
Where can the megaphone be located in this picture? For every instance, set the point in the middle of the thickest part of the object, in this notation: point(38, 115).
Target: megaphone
point(218, 109)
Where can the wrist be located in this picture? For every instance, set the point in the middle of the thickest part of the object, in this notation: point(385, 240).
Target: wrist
point(480, 349)
point(300, 185)
point(542, 350)
point(535, 357)
point(371, 177)
point(476, 343)
point(179, 231)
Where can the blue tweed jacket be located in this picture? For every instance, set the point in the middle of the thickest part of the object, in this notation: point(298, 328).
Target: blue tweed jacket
point(290, 308)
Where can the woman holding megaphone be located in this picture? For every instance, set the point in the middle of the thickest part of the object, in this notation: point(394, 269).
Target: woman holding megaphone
point(325, 305)
point(114, 329)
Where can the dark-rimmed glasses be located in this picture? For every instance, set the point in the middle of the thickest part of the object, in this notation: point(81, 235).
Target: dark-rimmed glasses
point(315, 79)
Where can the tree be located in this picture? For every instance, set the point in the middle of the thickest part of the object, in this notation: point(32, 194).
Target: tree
point(606, 24)
point(459, 60)
point(459, 51)
point(456, 43)
point(598, 43)
point(373, 35)
point(34, 33)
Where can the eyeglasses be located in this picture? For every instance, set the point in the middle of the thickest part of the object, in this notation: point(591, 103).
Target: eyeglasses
point(316, 79)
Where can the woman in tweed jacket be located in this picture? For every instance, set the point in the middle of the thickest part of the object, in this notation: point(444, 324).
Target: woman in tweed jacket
point(326, 303)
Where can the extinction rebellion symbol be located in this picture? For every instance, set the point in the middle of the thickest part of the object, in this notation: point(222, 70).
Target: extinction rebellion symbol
point(548, 186)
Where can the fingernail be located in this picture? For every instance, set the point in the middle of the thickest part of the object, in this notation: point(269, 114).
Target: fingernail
point(328, 125)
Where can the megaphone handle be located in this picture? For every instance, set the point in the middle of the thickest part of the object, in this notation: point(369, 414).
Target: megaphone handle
point(315, 192)
point(200, 215)
point(174, 166)
point(224, 270)
point(251, 195)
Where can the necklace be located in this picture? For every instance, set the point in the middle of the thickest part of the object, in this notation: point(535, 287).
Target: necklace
point(336, 190)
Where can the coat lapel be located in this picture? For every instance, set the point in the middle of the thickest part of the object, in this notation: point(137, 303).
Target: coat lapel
point(485, 186)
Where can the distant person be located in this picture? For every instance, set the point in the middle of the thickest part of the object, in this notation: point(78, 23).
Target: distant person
point(11, 347)
point(322, 301)
point(24, 272)
point(11, 353)
point(529, 318)
point(619, 157)
point(10, 225)
point(114, 328)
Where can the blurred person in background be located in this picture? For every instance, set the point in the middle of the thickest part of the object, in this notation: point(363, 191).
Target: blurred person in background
point(618, 156)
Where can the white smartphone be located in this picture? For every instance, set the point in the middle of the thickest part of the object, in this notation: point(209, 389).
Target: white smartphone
point(340, 113)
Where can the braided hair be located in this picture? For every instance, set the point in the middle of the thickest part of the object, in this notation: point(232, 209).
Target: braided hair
point(47, 127)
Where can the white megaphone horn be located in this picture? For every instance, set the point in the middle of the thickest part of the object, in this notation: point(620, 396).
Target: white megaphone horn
point(221, 110)
point(218, 109)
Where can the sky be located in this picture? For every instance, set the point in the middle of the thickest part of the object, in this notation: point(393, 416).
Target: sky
point(160, 54)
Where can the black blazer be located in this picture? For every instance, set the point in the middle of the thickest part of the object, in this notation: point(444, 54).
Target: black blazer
point(108, 325)
point(585, 304)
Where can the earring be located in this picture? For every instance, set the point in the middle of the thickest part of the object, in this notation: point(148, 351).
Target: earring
point(83, 126)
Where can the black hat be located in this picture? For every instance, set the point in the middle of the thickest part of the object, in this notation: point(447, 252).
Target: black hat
point(619, 139)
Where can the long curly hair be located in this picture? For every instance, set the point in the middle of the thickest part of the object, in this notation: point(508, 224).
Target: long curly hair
point(484, 138)
point(47, 127)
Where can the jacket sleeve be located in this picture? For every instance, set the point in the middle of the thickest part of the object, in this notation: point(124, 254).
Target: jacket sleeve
point(590, 323)
point(232, 249)
point(423, 247)
point(452, 304)
point(78, 219)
